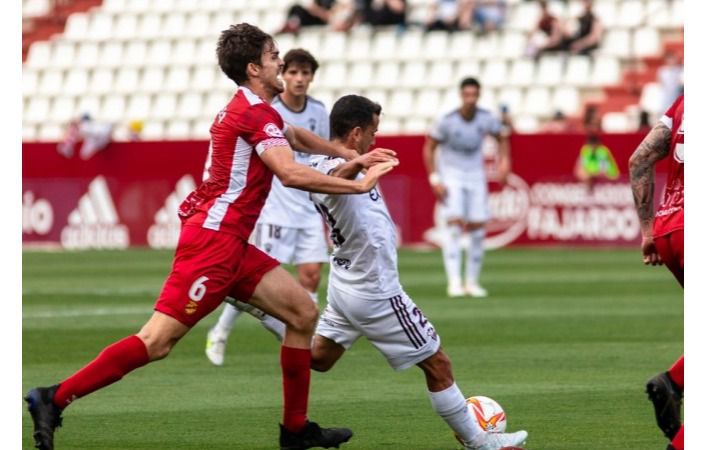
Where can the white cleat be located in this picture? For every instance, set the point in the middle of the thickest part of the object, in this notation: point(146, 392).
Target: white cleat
point(216, 346)
point(475, 290)
point(456, 291)
point(497, 441)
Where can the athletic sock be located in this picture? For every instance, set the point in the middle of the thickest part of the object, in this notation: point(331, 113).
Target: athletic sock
point(678, 441)
point(296, 375)
point(226, 320)
point(111, 365)
point(275, 326)
point(450, 405)
point(452, 256)
point(676, 373)
point(473, 268)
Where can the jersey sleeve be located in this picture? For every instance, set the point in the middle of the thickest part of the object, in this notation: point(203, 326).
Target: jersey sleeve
point(669, 115)
point(263, 127)
point(494, 125)
point(325, 164)
point(439, 130)
point(324, 127)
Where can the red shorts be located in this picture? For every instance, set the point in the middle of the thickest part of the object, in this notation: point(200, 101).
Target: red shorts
point(208, 266)
point(671, 249)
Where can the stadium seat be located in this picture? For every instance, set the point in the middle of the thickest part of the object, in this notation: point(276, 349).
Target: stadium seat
point(87, 55)
point(215, 102)
point(435, 47)
point(415, 126)
point(410, 45)
point(126, 26)
point(427, 103)
point(205, 53)
point(522, 72)
point(401, 103)
point(39, 55)
point(387, 74)
point(153, 130)
point(114, 6)
point(413, 75)
point(134, 54)
point(127, 80)
point(50, 132)
point(37, 111)
point(165, 105)
point(158, 53)
point(51, 82)
point(361, 75)
point(183, 52)
point(100, 26)
point(30, 81)
point(646, 42)
point(488, 100)
point(389, 125)
point(526, 124)
point(384, 45)
point(35, 8)
point(512, 45)
point(152, 80)
point(29, 132)
point(203, 78)
point(76, 27)
point(112, 108)
point(190, 106)
point(63, 55)
point(200, 129)
point(606, 71)
point(494, 74)
point(615, 122)
point(88, 104)
point(76, 82)
point(63, 109)
point(310, 40)
point(376, 95)
point(177, 129)
point(523, 16)
point(198, 24)
point(566, 99)
point(101, 81)
point(177, 79)
point(486, 47)
point(137, 6)
point(467, 68)
point(537, 102)
point(173, 25)
point(149, 26)
point(450, 100)
point(512, 98)
point(461, 45)
point(272, 19)
point(651, 98)
point(578, 71)
point(607, 11)
point(440, 74)
point(630, 14)
point(616, 43)
point(138, 107)
point(325, 96)
point(111, 55)
point(550, 70)
point(333, 47)
point(359, 48)
point(162, 6)
point(333, 75)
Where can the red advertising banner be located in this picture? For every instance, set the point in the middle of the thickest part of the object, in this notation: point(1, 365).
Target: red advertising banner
point(128, 194)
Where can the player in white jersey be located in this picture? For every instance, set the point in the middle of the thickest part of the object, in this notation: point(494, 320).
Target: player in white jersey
point(365, 297)
point(454, 161)
point(289, 228)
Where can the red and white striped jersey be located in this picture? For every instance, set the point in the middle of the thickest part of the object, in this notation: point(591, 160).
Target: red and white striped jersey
point(670, 213)
point(236, 182)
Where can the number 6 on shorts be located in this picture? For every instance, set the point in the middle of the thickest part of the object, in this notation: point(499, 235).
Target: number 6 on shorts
point(198, 289)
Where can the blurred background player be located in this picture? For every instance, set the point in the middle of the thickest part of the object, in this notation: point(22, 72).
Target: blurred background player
point(663, 243)
point(455, 164)
point(595, 162)
point(214, 259)
point(289, 228)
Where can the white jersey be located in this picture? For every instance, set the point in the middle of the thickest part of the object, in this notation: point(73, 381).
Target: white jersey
point(460, 144)
point(290, 207)
point(364, 260)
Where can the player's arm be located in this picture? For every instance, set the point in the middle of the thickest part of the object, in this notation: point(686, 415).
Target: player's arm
point(429, 151)
point(641, 165)
point(504, 163)
point(280, 161)
point(350, 169)
point(305, 141)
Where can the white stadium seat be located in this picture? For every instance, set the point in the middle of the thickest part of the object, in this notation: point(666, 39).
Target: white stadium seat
point(203, 78)
point(567, 100)
point(30, 81)
point(111, 55)
point(410, 45)
point(512, 98)
point(76, 27)
point(415, 125)
point(486, 47)
point(606, 71)
point(39, 54)
point(376, 95)
point(127, 80)
point(37, 111)
point(630, 14)
point(51, 82)
point(526, 124)
point(401, 103)
point(537, 102)
point(149, 26)
point(578, 71)
point(615, 122)
point(158, 53)
point(360, 49)
point(63, 109)
point(333, 75)
point(164, 106)
point(522, 72)
point(134, 54)
point(138, 107)
point(617, 43)
point(190, 106)
point(646, 42)
point(386, 74)
point(461, 45)
point(153, 130)
point(88, 104)
point(389, 125)
point(126, 27)
point(29, 132)
point(428, 103)
point(494, 74)
point(198, 24)
point(100, 26)
point(152, 80)
point(177, 129)
point(87, 55)
point(512, 45)
point(651, 98)
point(550, 70)
point(50, 132)
point(76, 82)
point(173, 25)
point(200, 130)
point(466, 68)
point(435, 47)
point(413, 75)
point(384, 45)
point(162, 6)
point(102, 81)
point(333, 47)
point(361, 75)
point(177, 79)
point(112, 108)
point(440, 74)
point(63, 55)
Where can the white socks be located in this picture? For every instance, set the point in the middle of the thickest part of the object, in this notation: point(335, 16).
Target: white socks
point(475, 256)
point(226, 320)
point(452, 254)
point(450, 405)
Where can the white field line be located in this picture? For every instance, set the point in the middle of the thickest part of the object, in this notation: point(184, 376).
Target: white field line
point(87, 312)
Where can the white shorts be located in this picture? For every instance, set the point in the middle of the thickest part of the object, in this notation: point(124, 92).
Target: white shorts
point(292, 245)
point(467, 201)
point(395, 326)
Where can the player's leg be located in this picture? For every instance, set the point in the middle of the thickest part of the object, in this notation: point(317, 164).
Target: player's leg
point(334, 333)
point(665, 391)
point(218, 335)
point(277, 293)
point(311, 251)
point(309, 277)
point(671, 249)
point(325, 353)
point(477, 216)
point(678, 441)
point(453, 212)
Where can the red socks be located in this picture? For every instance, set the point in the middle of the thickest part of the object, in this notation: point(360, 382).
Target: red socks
point(296, 375)
point(676, 373)
point(110, 365)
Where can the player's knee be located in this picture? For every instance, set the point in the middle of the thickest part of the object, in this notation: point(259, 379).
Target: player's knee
point(305, 317)
point(320, 364)
point(439, 369)
point(158, 347)
point(310, 280)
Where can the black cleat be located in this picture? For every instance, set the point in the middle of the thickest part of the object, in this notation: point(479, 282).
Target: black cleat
point(312, 435)
point(667, 399)
point(45, 415)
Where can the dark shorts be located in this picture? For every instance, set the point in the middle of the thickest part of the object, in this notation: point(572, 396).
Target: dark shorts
point(671, 249)
point(208, 266)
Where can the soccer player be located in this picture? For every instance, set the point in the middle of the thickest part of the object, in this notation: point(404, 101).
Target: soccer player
point(455, 165)
point(213, 259)
point(289, 229)
point(663, 243)
point(365, 297)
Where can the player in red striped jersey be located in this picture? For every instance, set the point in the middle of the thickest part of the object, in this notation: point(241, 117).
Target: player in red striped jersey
point(663, 243)
point(249, 143)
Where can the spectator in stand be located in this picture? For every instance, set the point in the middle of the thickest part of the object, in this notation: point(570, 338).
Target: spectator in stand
point(382, 12)
point(589, 32)
point(671, 79)
point(489, 15)
point(134, 129)
point(95, 136)
point(549, 31)
point(595, 162)
point(557, 124)
point(343, 15)
point(449, 15)
point(316, 12)
point(644, 122)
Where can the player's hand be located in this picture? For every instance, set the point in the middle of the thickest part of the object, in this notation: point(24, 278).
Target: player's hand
point(374, 173)
point(348, 154)
point(440, 192)
point(650, 255)
point(377, 156)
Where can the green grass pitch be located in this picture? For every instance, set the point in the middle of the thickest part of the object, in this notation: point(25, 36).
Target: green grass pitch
point(565, 342)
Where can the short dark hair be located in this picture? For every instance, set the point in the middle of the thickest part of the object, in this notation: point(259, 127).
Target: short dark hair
point(352, 111)
point(238, 46)
point(469, 81)
point(300, 57)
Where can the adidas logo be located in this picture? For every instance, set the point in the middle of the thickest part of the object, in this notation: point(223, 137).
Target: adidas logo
point(165, 231)
point(94, 223)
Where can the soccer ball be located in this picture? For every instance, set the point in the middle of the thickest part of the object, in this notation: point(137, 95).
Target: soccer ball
point(486, 413)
